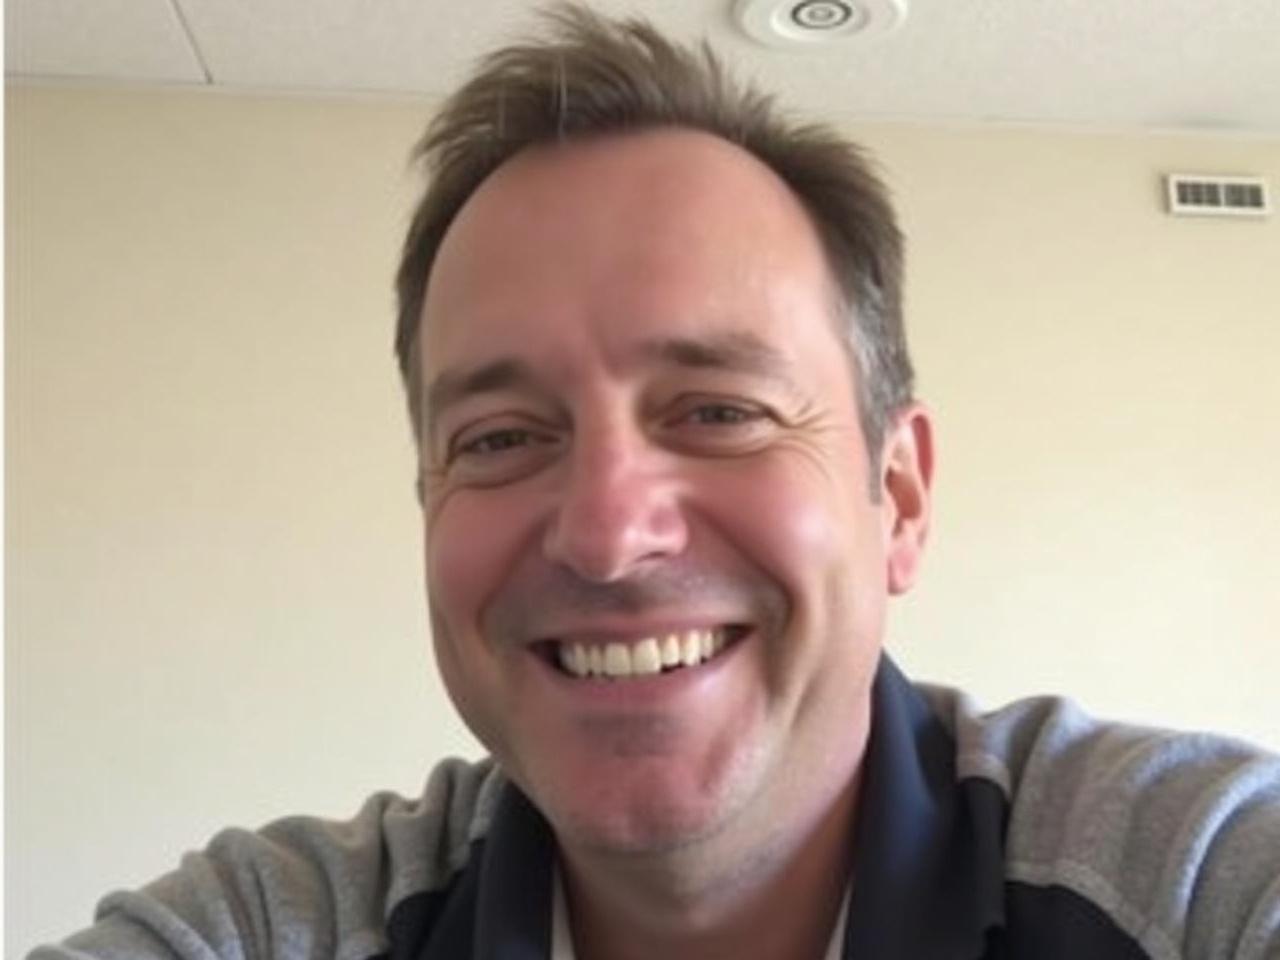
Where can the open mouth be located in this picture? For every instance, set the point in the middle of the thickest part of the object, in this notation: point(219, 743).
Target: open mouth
point(646, 657)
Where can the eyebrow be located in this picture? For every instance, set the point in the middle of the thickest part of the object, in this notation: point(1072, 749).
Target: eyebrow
point(735, 351)
point(453, 386)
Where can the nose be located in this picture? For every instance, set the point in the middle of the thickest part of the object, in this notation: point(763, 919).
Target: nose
point(618, 507)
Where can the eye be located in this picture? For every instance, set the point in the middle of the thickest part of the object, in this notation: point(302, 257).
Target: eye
point(712, 414)
point(497, 450)
point(718, 426)
point(495, 441)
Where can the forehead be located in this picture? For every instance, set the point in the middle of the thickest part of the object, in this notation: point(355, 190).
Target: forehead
point(616, 234)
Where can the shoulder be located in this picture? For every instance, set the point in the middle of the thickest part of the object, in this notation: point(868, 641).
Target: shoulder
point(1175, 837)
point(301, 886)
point(412, 844)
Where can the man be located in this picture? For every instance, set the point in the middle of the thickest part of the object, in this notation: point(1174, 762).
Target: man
point(671, 471)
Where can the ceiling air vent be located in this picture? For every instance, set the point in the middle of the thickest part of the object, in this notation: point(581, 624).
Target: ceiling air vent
point(804, 23)
point(1198, 195)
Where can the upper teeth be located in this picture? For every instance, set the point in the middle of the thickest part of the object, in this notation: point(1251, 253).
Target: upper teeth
point(643, 657)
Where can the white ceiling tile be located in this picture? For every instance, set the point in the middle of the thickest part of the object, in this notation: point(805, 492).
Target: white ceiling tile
point(1136, 63)
point(394, 45)
point(108, 39)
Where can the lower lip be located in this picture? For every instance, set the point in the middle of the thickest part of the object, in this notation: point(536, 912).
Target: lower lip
point(648, 689)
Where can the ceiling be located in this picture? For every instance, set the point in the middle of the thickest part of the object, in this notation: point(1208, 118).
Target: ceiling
point(1162, 64)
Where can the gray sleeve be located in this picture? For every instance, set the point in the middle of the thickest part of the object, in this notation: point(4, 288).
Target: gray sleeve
point(300, 888)
point(1175, 836)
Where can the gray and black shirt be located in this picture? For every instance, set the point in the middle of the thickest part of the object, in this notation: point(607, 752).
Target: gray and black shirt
point(1033, 833)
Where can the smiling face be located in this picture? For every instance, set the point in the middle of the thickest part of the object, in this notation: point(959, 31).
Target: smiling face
point(657, 576)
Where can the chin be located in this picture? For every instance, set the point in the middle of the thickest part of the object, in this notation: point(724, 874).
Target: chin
point(651, 831)
point(640, 815)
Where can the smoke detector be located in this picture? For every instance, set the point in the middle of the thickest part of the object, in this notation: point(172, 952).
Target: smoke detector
point(800, 23)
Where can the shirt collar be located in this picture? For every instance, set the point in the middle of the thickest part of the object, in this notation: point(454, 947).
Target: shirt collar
point(562, 937)
point(928, 872)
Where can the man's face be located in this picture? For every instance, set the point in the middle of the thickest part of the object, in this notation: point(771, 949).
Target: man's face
point(642, 442)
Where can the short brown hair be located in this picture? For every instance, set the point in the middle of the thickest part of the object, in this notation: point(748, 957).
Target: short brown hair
point(591, 76)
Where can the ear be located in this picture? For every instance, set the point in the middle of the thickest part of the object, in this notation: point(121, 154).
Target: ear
point(906, 480)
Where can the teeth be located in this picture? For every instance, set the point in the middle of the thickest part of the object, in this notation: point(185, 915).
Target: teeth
point(617, 660)
point(671, 650)
point(690, 649)
point(644, 658)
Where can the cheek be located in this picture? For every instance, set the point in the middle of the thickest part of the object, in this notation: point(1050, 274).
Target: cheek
point(792, 518)
point(471, 542)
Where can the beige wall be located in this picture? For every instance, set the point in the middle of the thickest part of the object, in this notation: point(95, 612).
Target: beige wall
point(214, 610)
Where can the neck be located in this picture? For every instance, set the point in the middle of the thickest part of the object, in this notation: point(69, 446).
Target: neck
point(776, 897)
